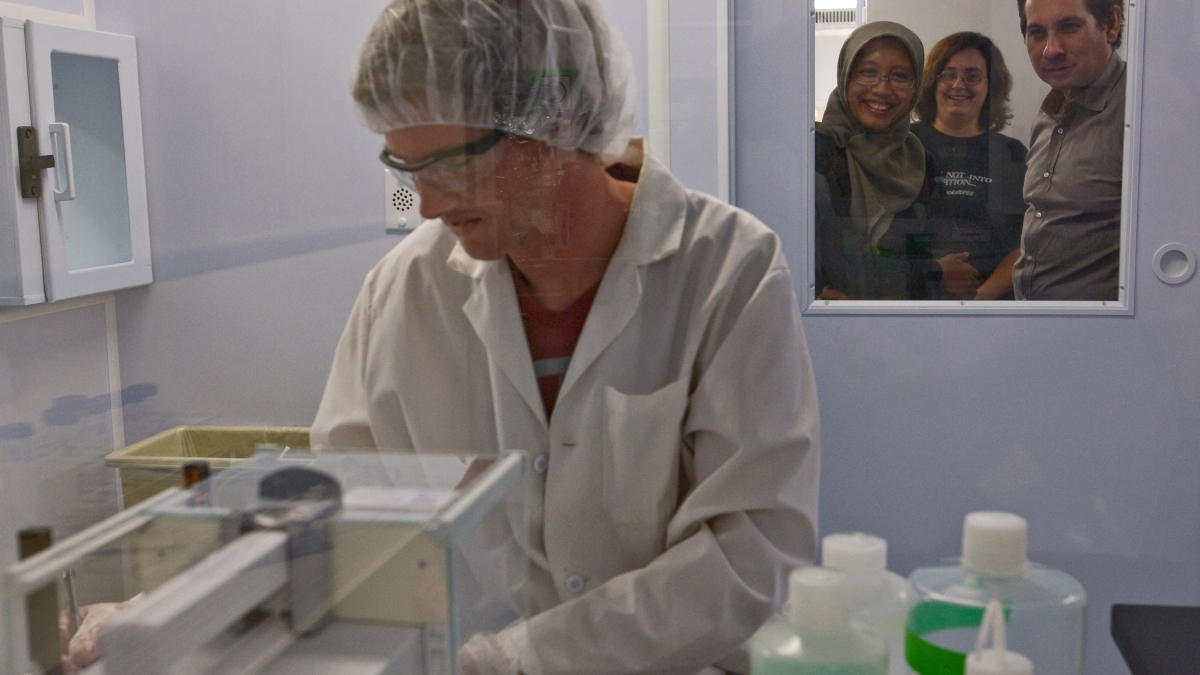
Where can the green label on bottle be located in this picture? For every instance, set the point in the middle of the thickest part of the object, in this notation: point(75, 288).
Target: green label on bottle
point(931, 616)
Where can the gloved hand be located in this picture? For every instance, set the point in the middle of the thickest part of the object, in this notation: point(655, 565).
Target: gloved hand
point(487, 654)
point(83, 648)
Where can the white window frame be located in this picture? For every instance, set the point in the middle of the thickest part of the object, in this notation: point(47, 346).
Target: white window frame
point(42, 41)
point(87, 20)
point(1123, 306)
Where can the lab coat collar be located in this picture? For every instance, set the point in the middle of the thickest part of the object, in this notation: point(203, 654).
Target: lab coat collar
point(655, 225)
point(495, 315)
point(653, 232)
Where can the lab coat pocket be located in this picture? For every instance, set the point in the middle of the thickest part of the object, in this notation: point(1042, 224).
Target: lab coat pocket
point(642, 442)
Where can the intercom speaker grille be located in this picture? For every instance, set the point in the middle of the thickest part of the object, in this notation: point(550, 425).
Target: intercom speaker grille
point(403, 199)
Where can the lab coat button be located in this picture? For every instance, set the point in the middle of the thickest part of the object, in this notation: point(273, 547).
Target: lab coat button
point(539, 463)
point(575, 584)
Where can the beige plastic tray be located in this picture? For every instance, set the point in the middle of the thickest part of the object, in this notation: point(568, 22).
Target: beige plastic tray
point(156, 463)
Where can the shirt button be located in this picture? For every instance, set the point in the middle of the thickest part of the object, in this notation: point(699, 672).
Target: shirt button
point(1039, 215)
point(1029, 258)
point(575, 584)
point(539, 463)
point(1046, 175)
point(1060, 130)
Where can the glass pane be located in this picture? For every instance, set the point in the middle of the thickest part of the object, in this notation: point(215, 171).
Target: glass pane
point(389, 565)
point(87, 96)
point(991, 177)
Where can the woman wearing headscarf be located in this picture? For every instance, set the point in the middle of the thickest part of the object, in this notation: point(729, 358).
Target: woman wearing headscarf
point(963, 106)
point(874, 192)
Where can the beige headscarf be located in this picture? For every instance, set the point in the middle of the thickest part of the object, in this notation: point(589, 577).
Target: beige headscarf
point(887, 168)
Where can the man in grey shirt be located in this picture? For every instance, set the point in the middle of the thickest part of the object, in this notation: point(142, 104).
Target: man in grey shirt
point(1070, 243)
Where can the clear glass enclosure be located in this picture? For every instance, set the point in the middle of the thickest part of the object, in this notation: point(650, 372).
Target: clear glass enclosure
point(364, 563)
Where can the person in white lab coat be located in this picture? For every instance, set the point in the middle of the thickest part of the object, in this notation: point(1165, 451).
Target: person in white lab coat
point(569, 298)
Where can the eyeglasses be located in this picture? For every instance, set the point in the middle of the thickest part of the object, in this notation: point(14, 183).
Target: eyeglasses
point(969, 78)
point(449, 169)
point(869, 77)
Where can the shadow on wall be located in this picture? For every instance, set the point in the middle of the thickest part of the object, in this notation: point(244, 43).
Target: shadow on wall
point(67, 410)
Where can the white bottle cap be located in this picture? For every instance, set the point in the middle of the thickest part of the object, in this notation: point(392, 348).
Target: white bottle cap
point(997, 660)
point(818, 600)
point(994, 544)
point(854, 552)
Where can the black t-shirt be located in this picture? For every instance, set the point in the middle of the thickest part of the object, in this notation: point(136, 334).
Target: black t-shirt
point(982, 178)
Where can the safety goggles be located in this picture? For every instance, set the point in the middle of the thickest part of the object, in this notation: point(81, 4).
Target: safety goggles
point(451, 169)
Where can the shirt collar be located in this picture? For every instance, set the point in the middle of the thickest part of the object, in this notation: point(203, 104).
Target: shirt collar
point(653, 230)
point(1095, 97)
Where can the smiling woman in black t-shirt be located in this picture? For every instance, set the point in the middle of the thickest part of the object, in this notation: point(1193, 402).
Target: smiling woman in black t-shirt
point(962, 106)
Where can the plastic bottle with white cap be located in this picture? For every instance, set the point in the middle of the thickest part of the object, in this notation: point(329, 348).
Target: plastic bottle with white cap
point(996, 660)
point(1044, 608)
point(815, 635)
point(879, 600)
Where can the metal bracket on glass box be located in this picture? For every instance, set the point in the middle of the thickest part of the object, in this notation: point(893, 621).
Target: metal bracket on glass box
point(32, 164)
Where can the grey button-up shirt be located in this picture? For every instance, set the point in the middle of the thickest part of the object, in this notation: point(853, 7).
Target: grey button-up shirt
point(1071, 240)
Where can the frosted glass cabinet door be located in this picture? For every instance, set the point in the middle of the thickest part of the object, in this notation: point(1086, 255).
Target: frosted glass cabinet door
point(86, 108)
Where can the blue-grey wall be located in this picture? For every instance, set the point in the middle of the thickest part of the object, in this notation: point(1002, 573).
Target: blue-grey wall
point(266, 211)
point(265, 215)
point(265, 206)
point(266, 203)
point(1087, 426)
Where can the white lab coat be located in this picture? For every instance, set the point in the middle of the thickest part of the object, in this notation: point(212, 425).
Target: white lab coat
point(679, 479)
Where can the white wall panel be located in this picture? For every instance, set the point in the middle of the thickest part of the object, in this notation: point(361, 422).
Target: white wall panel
point(56, 423)
point(265, 206)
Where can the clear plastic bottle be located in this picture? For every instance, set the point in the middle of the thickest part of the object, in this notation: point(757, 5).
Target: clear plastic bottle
point(816, 635)
point(1044, 608)
point(879, 600)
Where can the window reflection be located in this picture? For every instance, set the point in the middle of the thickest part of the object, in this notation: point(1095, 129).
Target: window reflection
point(930, 192)
point(962, 108)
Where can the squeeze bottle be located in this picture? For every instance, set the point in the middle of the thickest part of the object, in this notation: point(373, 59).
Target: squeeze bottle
point(879, 600)
point(815, 636)
point(1044, 608)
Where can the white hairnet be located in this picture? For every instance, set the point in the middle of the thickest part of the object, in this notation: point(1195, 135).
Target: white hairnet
point(553, 70)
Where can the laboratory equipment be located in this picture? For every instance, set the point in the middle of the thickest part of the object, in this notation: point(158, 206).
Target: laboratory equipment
point(879, 600)
point(816, 635)
point(1044, 608)
point(350, 562)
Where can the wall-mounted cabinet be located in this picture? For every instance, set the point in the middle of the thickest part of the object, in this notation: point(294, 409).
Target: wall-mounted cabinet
point(73, 215)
